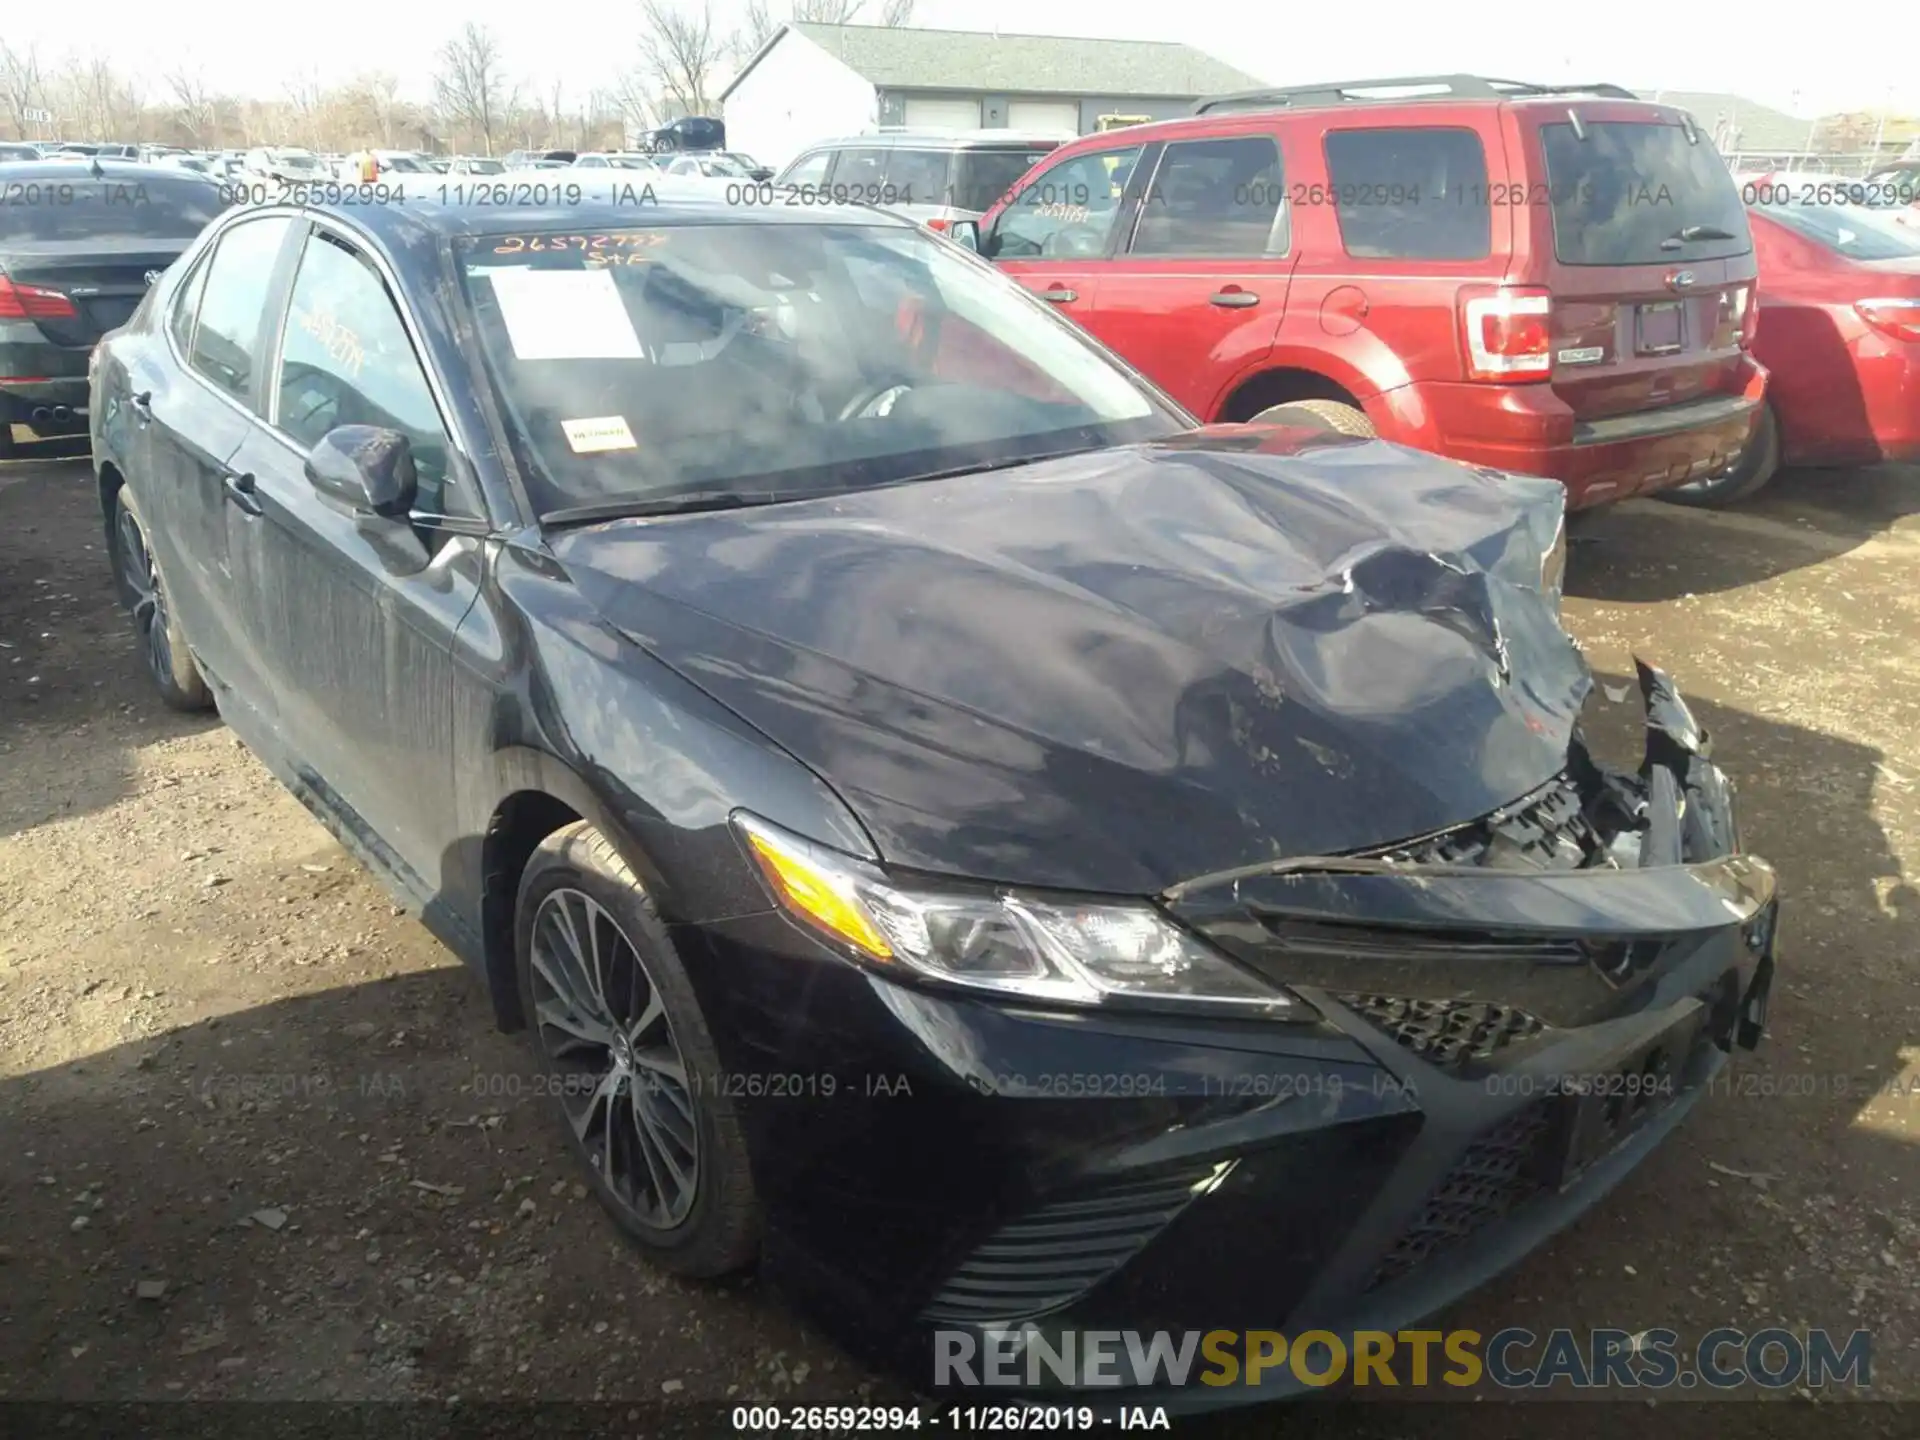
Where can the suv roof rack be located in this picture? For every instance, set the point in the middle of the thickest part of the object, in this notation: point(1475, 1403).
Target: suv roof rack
point(1439, 87)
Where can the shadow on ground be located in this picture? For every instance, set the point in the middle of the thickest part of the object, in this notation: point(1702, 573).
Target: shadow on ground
point(1649, 550)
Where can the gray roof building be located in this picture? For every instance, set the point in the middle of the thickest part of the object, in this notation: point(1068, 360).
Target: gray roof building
point(899, 58)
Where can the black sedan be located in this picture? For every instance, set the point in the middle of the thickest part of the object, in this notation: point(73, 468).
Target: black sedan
point(953, 829)
point(80, 244)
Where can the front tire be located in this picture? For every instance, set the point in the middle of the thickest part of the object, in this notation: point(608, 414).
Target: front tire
point(1332, 415)
point(633, 1066)
point(1744, 478)
point(163, 644)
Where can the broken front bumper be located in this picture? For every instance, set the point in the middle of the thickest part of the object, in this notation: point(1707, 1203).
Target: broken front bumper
point(1508, 1033)
point(1550, 1025)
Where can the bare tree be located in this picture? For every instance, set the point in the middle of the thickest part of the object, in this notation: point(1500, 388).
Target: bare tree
point(755, 32)
point(897, 13)
point(194, 105)
point(681, 49)
point(21, 84)
point(472, 87)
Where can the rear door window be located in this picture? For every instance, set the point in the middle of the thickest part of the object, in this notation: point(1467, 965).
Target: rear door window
point(860, 172)
point(226, 341)
point(918, 177)
point(1640, 193)
point(1218, 198)
point(1418, 193)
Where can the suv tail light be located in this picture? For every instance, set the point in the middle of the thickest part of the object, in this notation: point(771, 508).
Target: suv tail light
point(1509, 334)
point(1897, 318)
point(1740, 314)
point(25, 302)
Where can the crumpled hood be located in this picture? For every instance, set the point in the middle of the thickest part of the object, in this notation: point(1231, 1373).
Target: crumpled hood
point(1120, 670)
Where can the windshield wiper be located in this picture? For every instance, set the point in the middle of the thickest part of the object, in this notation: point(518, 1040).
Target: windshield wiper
point(1694, 232)
point(687, 502)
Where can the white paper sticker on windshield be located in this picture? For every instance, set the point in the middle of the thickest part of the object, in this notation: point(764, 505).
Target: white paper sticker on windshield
point(1845, 236)
point(603, 432)
point(565, 314)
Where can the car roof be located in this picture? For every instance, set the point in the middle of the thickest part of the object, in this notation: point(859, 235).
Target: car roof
point(408, 221)
point(936, 139)
point(131, 171)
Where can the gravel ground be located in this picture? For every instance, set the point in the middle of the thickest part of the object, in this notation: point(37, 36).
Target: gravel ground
point(259, 1140)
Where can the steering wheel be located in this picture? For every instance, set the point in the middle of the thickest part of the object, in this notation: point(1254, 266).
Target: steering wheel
point(875, 401)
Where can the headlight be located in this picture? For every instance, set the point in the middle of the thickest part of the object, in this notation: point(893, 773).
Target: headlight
point(1553, 565)
point(1010, 943)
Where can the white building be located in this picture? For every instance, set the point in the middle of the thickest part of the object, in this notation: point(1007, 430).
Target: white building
point(811, 81)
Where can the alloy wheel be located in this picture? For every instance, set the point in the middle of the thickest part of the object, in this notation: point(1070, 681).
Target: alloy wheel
point(141, 575)
point(624, 1085)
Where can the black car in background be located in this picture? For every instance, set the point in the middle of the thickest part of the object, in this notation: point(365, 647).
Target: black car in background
point(951, 827)
point(81, 244)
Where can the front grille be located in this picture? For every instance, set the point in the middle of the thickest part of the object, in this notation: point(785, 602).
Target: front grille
point(1546, 829)
point(1450, 1034)
point(1496, 1173)
point(1050, 1257)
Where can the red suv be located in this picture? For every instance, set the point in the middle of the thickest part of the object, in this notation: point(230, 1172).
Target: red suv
point(1551, 280)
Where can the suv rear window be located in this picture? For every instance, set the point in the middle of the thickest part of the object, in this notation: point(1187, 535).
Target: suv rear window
point(987, 176)
point(1418, 193)
point(154, 207)
point(1640, 193)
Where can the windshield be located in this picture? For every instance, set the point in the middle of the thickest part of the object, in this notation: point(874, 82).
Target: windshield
point(760, 361)
point(403, 165)
point(1640, 193)
point(158, 206)
point(1855, 231)
point(293, 159)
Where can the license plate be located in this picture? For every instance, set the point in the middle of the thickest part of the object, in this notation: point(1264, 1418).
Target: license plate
point(1602, 1110)
point(1659, 329)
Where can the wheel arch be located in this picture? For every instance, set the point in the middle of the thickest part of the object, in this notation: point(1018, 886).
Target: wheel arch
point(1280, 384)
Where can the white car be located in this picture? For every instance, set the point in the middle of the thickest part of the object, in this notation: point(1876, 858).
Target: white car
point(615, 160)
point(289, 164)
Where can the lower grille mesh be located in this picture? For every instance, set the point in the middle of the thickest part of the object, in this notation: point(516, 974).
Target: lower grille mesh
point(1049, 1257)
point(1494, 1174)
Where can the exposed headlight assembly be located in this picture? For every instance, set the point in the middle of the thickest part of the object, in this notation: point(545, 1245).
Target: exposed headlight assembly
point(1014, 944)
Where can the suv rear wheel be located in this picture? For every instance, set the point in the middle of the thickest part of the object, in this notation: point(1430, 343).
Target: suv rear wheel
point(1333, 415)
point(1741, 480)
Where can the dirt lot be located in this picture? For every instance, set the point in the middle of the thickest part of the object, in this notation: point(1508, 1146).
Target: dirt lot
point(258, 1138)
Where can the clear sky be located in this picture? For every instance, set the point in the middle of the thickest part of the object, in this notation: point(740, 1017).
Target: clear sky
point(1793, 58)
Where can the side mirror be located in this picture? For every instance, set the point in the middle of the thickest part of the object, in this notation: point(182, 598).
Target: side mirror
point(367, 468)
point(965, 232)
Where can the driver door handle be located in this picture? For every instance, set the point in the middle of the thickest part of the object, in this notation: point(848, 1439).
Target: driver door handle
point(141, 405)
point(1059, 295)
point(238, 485)
point(1233, 299)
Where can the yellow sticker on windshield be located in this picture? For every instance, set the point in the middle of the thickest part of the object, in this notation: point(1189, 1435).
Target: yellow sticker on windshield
point(603, 432)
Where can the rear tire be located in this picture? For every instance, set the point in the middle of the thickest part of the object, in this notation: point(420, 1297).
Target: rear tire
point(1327, 415)
point(163, 644)
point(629, 1059)
point(1741, 480)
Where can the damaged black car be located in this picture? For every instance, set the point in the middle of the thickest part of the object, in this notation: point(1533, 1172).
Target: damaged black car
point(956, 833)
